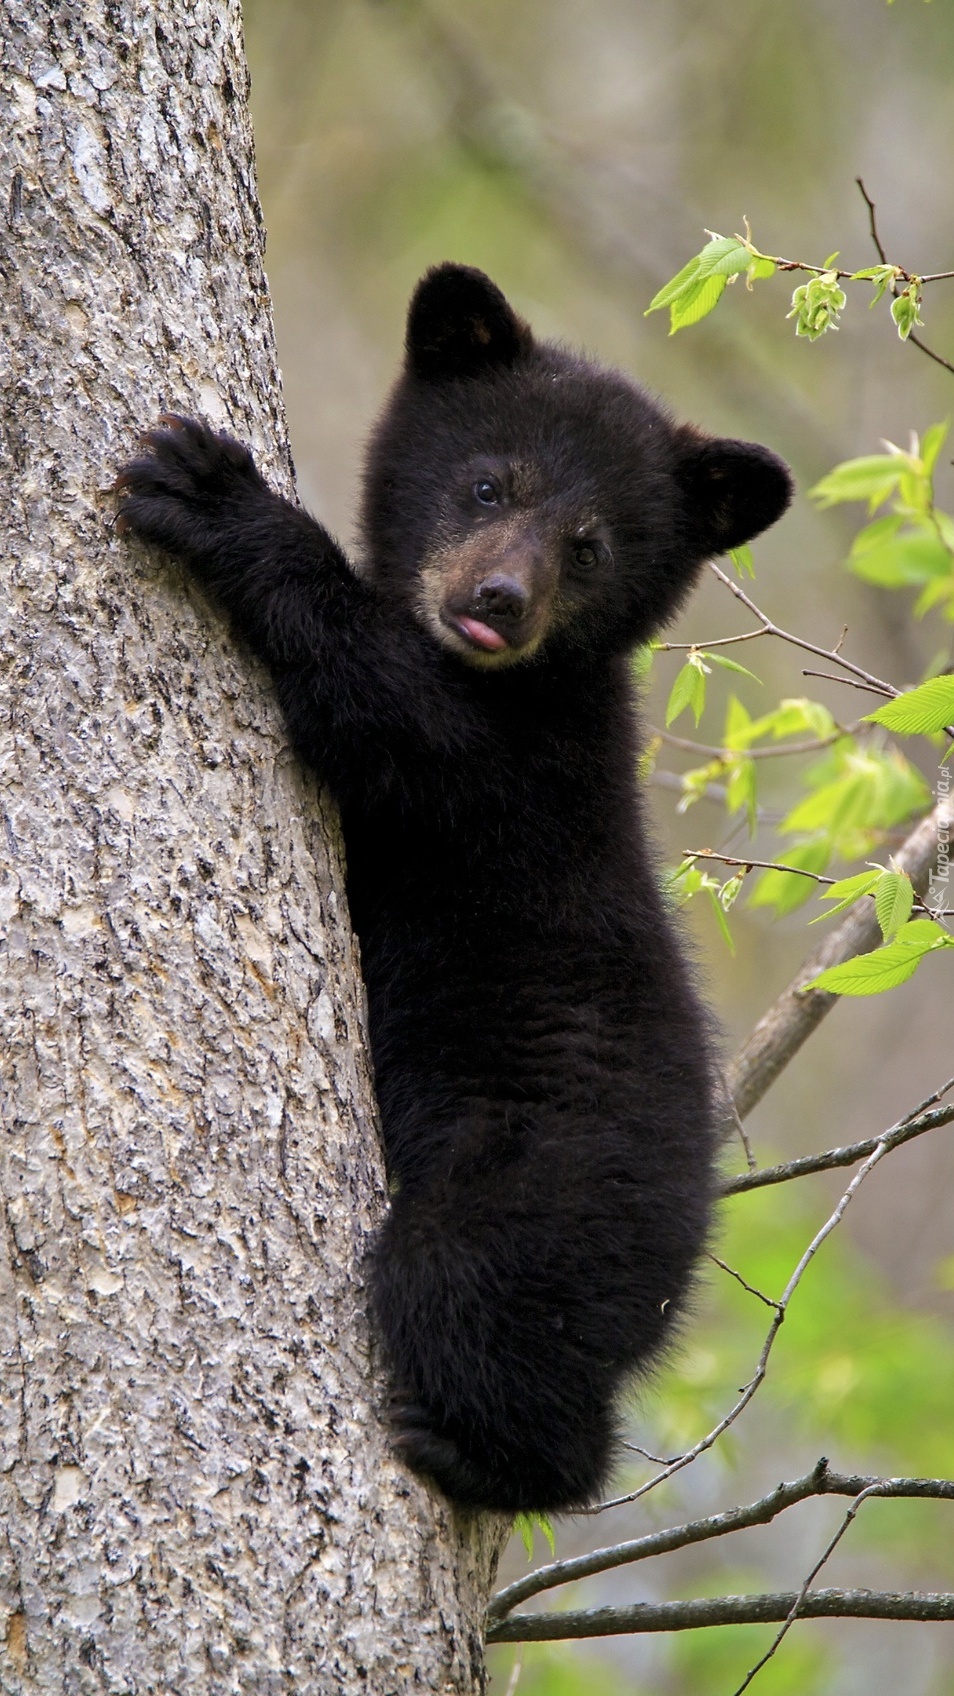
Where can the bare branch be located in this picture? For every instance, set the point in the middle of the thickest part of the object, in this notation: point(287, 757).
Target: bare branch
point(781, 1031)
point(918, 343)
point(934, 277)
point(835, 1157)
point(883, 1146)
point(722, 1610)
point(732, 1115)
point(754, 865)
point(849, 682)
point(798, 1606)
point(702, 647)
point(819, 1482)
point(810, 746)
point(745, 1285)
point(873, 222)
point(772, 629)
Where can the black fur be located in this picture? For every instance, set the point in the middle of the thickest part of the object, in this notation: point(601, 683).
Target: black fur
point(542, 1062)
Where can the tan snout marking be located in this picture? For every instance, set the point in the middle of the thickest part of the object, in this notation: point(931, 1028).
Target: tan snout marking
point(451, 574)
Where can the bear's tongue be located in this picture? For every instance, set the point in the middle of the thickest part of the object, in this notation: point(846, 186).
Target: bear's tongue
point(482, 634)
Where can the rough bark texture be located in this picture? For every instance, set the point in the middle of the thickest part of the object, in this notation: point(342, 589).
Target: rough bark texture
point(196, 1493)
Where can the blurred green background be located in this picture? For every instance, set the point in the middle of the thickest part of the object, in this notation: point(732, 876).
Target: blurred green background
point(578, 153)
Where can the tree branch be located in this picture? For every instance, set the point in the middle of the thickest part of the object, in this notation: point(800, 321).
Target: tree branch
point(798, 1011)
point(819, 1482)
point(797, 1610)
point(810, 745)
point(882, 1147)
point(723, 1610)
point(835, 1157)
point(934, 277)
point(876, 684)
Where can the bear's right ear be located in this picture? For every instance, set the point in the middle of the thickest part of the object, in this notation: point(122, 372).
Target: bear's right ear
point(460, 325)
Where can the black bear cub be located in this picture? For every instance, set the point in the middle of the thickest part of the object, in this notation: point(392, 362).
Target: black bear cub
point(542, 1061)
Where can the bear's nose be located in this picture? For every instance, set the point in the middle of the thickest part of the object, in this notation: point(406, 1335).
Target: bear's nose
point(500, 596)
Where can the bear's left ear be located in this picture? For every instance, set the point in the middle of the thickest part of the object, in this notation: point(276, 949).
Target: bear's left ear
point(734, 490)
point(459, 325)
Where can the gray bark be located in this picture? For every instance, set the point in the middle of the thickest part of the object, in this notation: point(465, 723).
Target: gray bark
point(196, 1491)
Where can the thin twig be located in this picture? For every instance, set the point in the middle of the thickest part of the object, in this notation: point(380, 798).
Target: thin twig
point(937, 357)
point(773, 629)
point(798, 1605)
point(832, 1158)
point(754, 865)
point(702, 647)
point(810, 746)
point(740, 1280)
point(634, 1448)
point(932, 277)
point(852, 683)
point(884, 1144)
point(741, 1132)
point(873, 222)
point(819, 1482)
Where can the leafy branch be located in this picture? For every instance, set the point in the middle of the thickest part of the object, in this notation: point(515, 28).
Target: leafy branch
point(816, 304)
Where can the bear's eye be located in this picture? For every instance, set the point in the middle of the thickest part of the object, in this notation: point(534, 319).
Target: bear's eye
point(585, 556)
point(486, 492)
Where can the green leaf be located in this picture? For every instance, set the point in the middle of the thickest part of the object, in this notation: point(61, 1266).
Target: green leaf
point(792, 717)
point(920, 711)
point(696, 289)
point(885, 968)
point(676, 285)
point(871, 478)
point(858, 884)
point(933, 594)
point(870, 974)
point(721, 919)
point(905, 310)
point(916, 557)
point(741, 558)
point(689, 690)
point(880, 275)
point(816, 305)
point(695, 303)
point(730, 665)
point(526, 1523)
point(741, 790)
point(729, 892)
point(847, 891)
point(737, 721)
point(894, 898)
point(932, 443)
point(760, 268)
point(724, 256)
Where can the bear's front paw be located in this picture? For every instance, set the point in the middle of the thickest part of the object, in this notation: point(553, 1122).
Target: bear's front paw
point(186, 485)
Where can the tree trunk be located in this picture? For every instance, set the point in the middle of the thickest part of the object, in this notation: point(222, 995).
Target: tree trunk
point(196, 1492)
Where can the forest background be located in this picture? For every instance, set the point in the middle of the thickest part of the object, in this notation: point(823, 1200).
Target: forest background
point(578, 154)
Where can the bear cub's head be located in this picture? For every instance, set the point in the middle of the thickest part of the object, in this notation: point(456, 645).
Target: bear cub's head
point(523, 500)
